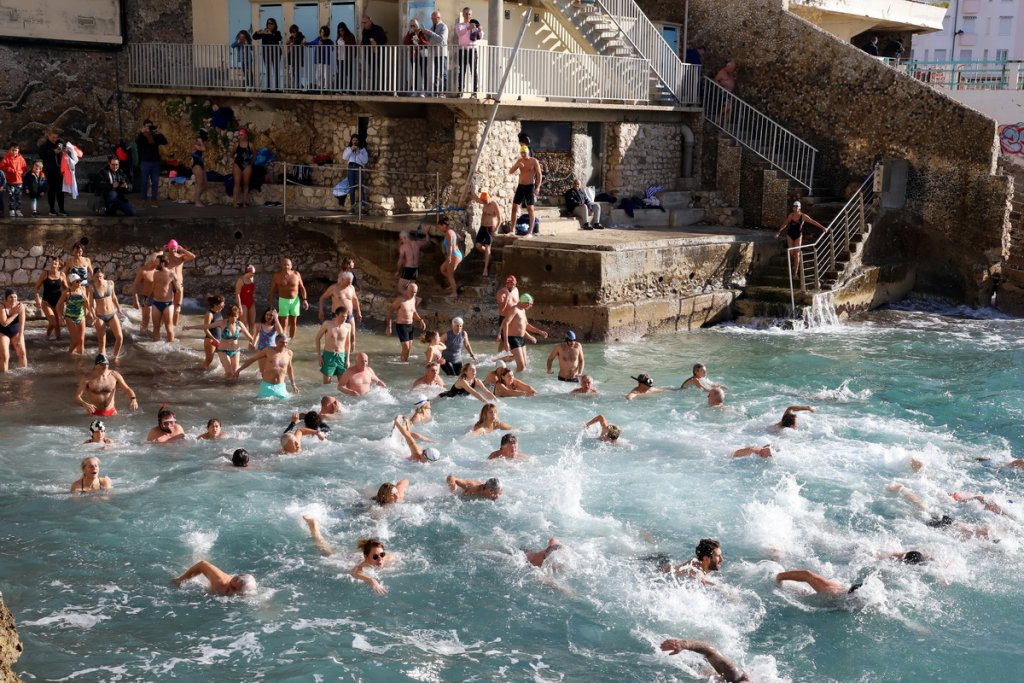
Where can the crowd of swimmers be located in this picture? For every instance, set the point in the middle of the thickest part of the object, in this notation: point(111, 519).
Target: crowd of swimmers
point(71, 294)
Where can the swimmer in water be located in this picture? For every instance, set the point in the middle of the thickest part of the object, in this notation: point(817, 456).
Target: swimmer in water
point(389, 494)
point(291, 439)
point(213, 430)
point(788, 420)
point(416, 452)
point(537, 557)
point(488, 421)
point(709, 558)
point(644, 387)
point(318, 540)
point(240, 458)
point(374, 557)
point(586, 387)
point(729, 672)
point(508, 449)
point(91, 479)
point(609, 432)
point(98, 433)
point(819, 583)
point(700, 380)
point(716, 397)
point(468, 384)
point(97, 390)
point(330, 406)
point(764, 451)
point(431, 377)
point(938, 521)
point(508, 386)
point(421, 413)
point(167, 428)
point(220, 581)
point(470, 488)
point(359, 378)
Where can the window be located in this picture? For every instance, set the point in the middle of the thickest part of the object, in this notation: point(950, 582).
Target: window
point(966, 55)
point(926, 55)
point(1005, 24)
point(1002, 55)
point(970, 25)
point(940, 55)
point(984, 56)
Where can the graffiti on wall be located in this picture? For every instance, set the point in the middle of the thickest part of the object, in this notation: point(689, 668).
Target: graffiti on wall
point(1011, 139)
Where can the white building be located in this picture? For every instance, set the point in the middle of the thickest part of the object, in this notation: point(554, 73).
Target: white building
point(975, 30)
point(849, 18)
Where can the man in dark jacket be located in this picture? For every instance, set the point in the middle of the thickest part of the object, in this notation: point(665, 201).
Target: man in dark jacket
point(51, 152)
point(149, 141)
point(113, 186)
point(373, 36)
point(587, 212)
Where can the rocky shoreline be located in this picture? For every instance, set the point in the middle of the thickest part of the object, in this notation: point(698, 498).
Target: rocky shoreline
point(10, 645)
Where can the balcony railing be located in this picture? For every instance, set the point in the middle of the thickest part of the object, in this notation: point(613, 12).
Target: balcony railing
point(1001, 75)
point(390, 70)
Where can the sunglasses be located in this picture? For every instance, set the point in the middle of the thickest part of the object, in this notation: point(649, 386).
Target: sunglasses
point(377, 556)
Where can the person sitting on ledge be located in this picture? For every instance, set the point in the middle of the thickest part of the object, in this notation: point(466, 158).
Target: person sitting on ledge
point(578, 204)
point(113, 188)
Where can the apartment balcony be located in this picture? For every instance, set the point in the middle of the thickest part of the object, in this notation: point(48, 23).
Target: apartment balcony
point(398, 72)
point(846, 19)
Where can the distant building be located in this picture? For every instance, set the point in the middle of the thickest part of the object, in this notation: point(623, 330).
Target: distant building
point(976, 30)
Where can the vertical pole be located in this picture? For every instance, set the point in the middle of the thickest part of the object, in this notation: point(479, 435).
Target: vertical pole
point(437, 191)
point(284, 187)
point(359, 192)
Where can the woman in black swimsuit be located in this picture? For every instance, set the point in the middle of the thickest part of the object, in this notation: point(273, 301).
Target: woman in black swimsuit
point(794, 227)
point(468, 384)
point(52, 281)
point(12, 330)
point(242, 170)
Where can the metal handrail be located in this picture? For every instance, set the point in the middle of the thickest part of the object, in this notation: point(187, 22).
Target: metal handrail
point(759, 133)
point(963, 75)
point(390, 70)
point(818, 258)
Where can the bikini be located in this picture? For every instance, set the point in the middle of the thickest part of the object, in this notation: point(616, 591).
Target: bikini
point(106, 317)
point(74, 308)
point(447, 247)
point(228, 335)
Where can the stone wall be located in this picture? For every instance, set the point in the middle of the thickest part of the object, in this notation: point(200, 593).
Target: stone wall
point(640, 155)
point(10, 645)
point(76, 89)
point(856, 110)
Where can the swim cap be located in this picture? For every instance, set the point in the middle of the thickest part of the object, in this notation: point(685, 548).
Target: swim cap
point(644, 378)
point(172, 174)
point(796, 205)
point(97, 426)
point(240, 458)
point(172, 245)
point(570, 336)
point(432, 454)
point(523, 149)
point(458, 321)
point(242, 133)
point(492, 484)
point(511, 278)
point(526, 299)
point(250, 269)
point(499, 365)
point(484, 197)
point(101, 359)
point(74, 277)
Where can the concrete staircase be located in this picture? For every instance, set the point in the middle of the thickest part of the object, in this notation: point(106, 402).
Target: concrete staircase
point(679, 213)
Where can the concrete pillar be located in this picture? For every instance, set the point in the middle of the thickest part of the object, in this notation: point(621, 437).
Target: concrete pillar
point(495, 21)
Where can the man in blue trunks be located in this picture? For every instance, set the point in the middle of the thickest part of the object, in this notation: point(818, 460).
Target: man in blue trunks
point(274, 371)
point(403, 310)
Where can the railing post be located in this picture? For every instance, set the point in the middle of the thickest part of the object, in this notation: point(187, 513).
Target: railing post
point(359, 187)
point(284, 188)
point(792, 294)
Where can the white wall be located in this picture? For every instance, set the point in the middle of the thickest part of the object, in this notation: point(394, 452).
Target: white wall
point(986, 36)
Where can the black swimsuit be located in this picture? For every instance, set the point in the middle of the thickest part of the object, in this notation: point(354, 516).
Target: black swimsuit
point(52, 291)
point(794, 229)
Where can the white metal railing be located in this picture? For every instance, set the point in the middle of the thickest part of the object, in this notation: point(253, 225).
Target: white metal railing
point(760, 134)
point(819, 258)
point(641, 36)
point(985, 75)
point(388, 70)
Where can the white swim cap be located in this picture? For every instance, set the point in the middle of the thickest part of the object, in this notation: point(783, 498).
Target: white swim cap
point(499, 365)
point(432, 454)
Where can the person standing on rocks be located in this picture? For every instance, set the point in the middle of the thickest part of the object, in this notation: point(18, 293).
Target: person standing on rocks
point(516, 330)
point(403, 311)
point(452, 254)
point(570, 359)
point(408, 266)
point(177, 256)
point(530, 179)
point(506, 298)
point(337, 335)
point(291, 294)
point(488, 228)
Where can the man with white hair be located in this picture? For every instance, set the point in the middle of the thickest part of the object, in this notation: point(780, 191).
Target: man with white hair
point(343, 294)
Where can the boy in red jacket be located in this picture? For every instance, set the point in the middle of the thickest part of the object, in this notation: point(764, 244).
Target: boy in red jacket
point(14, 166)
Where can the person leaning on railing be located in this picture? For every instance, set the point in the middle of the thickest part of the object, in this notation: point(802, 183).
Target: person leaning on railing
point(242, 48)
point(345, 50)
point(271, 39)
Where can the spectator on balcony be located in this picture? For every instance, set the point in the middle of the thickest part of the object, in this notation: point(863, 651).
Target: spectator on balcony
point(357, 157)
point(871, 47)
point(345, 50)
point(243, 54)
point(113, 187)
point(149, 141)
point(467, 33)
point(271, 40)
point(439, 29)
point(322, 53)
point(295, 57)
point(417, 39)
point(373, 37)
point(579, 204)
point(894, 50)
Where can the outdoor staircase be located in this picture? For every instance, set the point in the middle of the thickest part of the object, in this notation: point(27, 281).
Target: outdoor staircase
point(679, 213)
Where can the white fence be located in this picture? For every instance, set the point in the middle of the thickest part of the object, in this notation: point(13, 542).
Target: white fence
point(389, 70)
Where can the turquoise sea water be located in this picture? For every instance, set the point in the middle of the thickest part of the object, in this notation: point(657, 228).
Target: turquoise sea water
point(87, 577)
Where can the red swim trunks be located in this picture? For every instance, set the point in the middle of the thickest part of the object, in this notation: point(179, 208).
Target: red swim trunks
point(105, 413)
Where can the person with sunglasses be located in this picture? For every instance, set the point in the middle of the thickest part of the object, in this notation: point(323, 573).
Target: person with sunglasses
point(167, 428)
point(375, 558)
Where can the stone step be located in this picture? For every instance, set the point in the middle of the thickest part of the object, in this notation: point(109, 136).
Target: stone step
point(648, 218)
point(676, 199)
point(680, 218)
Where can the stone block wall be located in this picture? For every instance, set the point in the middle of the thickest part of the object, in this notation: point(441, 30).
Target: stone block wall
point(640, 155)
point(856, 110)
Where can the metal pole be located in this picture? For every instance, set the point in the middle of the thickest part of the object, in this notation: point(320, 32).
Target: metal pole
point(284, 187)
point(497, 102)
point(437, 193)
point(359, 187)
point(792, 295)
